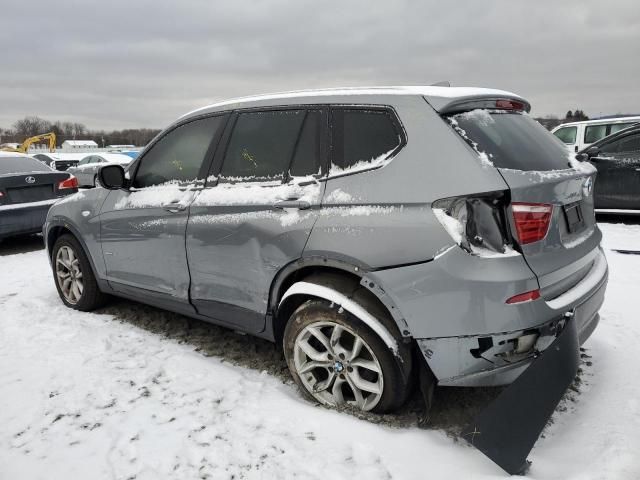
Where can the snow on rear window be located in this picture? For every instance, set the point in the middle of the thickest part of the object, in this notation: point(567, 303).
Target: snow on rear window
point(507, 139)
point(21, 165)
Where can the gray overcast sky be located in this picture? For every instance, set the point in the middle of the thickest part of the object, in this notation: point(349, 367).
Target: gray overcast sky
point(141, 63)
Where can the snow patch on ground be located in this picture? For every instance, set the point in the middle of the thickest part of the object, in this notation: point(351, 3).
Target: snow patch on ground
point(86, 395)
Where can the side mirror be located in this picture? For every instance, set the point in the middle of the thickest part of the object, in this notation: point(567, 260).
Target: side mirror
point(111, 177)
point(582, 157)
point(592, 152)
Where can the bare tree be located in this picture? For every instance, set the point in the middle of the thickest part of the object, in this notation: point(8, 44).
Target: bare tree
point(30, 126)
point(79, 129)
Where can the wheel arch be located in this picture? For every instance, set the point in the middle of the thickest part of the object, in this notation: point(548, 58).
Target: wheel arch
point(55, 231)
point(341, 282)
point(348, 268)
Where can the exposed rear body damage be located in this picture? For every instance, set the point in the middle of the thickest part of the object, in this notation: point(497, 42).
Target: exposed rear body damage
point(508, 428)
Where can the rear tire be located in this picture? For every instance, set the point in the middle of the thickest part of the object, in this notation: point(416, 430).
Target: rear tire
point(336, 359)
point(73, 275)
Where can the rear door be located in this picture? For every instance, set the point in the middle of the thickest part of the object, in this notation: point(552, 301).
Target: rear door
point(618, 165)
point(537, 169)
point(256, 212)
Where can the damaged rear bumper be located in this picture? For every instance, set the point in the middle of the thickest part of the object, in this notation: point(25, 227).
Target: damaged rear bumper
point(500, 358)
point(507, 429)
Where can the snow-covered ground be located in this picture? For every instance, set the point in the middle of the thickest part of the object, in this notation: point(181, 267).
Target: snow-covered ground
point(133, 393)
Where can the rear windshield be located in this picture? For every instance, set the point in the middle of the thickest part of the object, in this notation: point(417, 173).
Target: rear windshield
point(21, 165)
point(511, 140)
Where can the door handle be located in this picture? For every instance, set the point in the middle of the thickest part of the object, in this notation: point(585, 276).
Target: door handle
point(174, 207)
point(299, 204)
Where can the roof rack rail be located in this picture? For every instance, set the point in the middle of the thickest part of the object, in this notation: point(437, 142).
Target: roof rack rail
point(443, 83)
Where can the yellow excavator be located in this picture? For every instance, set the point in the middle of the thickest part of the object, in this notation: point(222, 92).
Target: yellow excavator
point(24, 147)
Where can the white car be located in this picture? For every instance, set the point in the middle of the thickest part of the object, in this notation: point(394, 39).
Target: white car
point(86, 171)
point(579, 135)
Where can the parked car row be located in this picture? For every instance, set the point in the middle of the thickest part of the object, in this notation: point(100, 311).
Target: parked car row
point(579, 135)
point(86, 170)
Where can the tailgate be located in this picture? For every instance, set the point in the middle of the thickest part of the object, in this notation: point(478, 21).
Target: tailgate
point(567, 252)
point(553, 202)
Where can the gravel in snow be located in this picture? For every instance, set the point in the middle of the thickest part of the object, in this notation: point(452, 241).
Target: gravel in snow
point(133, 392)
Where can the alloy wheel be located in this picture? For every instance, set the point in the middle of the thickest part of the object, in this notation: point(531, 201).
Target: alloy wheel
point(337, 366)
point(69, 274)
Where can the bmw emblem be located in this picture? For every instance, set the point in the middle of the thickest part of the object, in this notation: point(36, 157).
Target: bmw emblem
point(587, 186)
point(30, 179)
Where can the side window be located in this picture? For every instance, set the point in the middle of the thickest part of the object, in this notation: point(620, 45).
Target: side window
point(362, 136)
point(616, 127)
point(262, 145)
point(626, 144)
point(611, 147)
point(179, 155)
point(593, 133)
point(84, 161)
point(630, 144)
point(567, 135)
point(306, 158)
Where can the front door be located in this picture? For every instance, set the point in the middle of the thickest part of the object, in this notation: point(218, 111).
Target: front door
point(143, 227)
point(618, 183)
point(257, 215)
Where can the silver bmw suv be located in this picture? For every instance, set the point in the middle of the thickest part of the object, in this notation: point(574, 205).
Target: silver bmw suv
point(380, 235)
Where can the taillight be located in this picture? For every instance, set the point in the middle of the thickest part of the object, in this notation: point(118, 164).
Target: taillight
point(524, 297)
point(71, 182)
point(531, 220)
point(476, 223)
point(509, 105)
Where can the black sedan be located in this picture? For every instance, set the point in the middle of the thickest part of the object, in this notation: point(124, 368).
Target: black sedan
point(617, 158)
point(27, 189)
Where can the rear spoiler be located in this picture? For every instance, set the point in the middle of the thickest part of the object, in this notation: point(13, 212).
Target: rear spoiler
point(448, 105)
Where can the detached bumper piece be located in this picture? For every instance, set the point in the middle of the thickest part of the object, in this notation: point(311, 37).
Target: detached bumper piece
point(508, 428)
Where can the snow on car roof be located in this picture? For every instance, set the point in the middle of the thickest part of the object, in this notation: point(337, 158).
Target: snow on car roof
point(114, 157)
point(599, 121)
point(13, 154)
point(432, 92)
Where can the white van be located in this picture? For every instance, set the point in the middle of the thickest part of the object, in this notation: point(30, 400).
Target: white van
point(578, 135)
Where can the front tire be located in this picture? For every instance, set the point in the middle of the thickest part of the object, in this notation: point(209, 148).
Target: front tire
point(338, 360)
point(73, 275)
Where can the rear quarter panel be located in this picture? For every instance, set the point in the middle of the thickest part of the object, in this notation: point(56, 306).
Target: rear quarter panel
point(383, 217)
